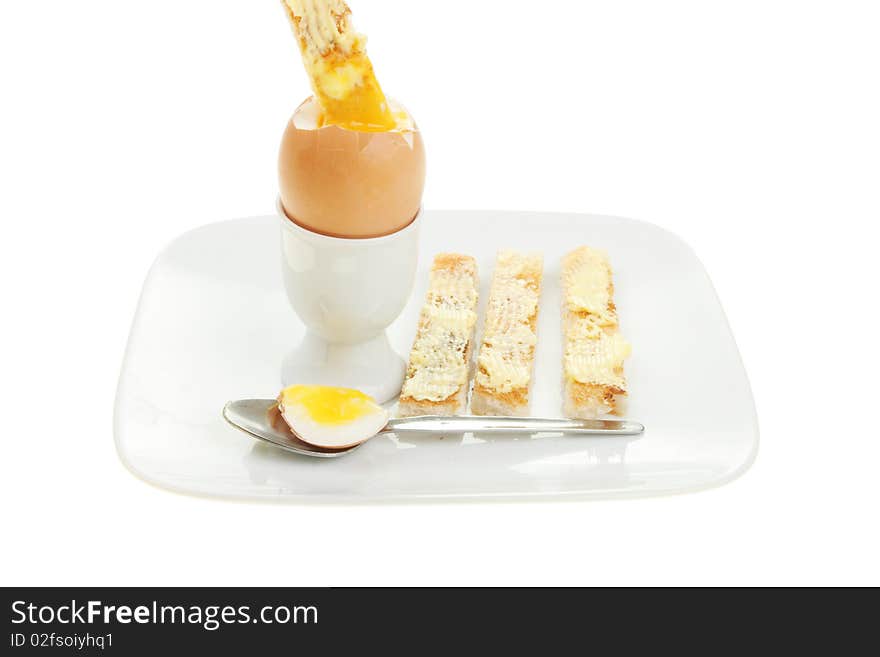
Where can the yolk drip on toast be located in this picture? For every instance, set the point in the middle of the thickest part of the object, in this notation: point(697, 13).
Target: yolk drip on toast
point(336, 62)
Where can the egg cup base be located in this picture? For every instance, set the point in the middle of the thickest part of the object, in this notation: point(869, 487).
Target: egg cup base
point(372, 366)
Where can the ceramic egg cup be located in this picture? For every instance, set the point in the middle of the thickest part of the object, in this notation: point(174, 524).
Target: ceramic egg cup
point(347, 292)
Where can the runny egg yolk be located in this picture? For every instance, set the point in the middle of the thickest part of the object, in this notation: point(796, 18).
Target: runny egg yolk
point(351, 96)
point(327, 405)
point(336, 61)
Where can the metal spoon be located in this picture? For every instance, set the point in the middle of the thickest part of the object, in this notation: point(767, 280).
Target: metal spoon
point(260, 418)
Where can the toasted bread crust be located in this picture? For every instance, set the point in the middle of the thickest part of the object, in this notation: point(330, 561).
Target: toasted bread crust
point(455, 404)
point(588, 400)
point(507, 352)
point(487, 402)
point(443, 345)
point(593, 349)
point(455, 261)
point(409, 407)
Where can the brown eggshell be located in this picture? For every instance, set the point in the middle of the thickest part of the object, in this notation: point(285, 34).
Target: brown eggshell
point(347, 183)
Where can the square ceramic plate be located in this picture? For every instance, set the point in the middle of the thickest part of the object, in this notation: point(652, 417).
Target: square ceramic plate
point(214, 324)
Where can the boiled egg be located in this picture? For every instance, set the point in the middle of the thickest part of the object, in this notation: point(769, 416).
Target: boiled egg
point(330, 417)
point(350, 183)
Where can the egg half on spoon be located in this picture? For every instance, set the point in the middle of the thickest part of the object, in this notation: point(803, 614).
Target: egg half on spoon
point(334, 418)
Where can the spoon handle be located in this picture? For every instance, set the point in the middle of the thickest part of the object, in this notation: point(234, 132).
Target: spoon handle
point(485, 424)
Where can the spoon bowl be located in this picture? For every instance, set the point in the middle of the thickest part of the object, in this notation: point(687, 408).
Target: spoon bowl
point(260, 419)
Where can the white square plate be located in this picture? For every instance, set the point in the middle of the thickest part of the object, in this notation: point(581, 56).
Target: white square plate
point(214, 324)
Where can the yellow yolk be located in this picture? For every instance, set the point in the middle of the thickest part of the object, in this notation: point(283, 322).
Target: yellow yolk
point(327, 405)
point(336, 62)
point(351, 98)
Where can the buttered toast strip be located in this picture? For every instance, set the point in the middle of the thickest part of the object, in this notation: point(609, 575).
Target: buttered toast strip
point(336, 61)
point(439, 364)
point(507, 353)
point(594, 350)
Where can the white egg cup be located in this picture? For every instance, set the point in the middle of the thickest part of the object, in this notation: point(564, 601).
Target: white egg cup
point(347, 292)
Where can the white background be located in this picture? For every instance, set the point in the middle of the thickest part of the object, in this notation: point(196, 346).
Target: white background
point(750, 128)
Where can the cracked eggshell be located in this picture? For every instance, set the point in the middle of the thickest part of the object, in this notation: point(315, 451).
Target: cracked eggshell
point(347, 183)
